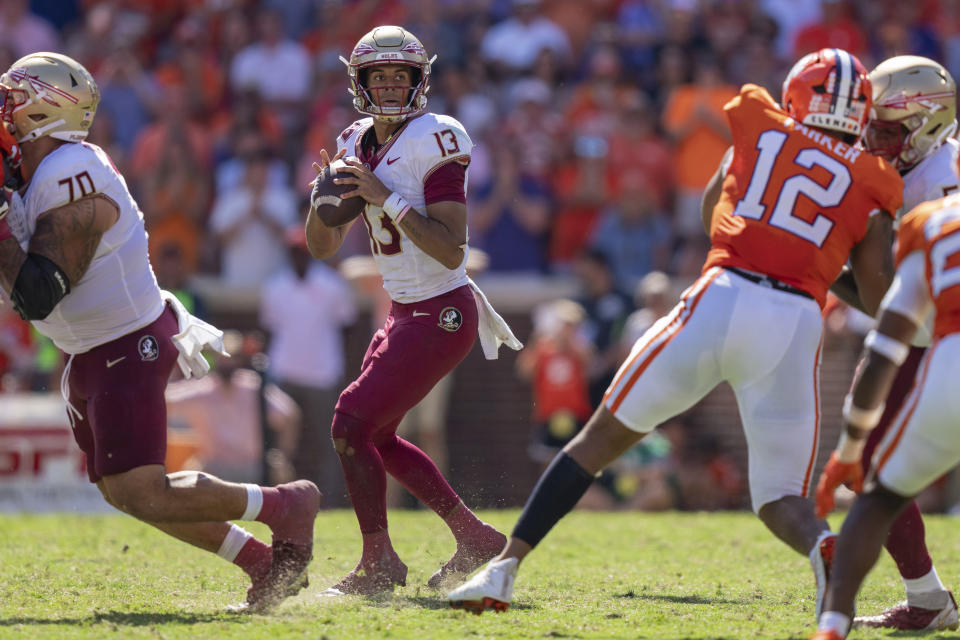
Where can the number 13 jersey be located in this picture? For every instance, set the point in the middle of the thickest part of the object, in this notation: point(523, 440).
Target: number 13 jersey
point(405, 163)
point(795, 200)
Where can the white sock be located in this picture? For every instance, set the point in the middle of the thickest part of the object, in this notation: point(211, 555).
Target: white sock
point(925, 583)
point(232, 543)
point(927, 592)
point(254, 502)
point(833, 621)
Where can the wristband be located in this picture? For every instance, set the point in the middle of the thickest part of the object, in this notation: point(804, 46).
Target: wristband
point(893, 350)
point(395, 206)
point(402, 213)
point(861, 418)
point(850, 449)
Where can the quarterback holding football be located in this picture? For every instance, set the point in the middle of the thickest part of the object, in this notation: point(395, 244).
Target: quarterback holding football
point(408, 167)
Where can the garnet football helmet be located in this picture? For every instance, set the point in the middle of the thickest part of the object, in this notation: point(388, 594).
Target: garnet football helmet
point(48, 94)
point(388, 45)
point(914, 110)
point(829, 89)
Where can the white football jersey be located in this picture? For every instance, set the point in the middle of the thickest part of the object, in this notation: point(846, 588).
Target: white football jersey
point(118, 293)
point(403, 164)
point(933, 178)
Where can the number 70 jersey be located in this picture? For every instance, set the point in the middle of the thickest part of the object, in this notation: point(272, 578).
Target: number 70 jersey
point(795, 200)
point(405, 163)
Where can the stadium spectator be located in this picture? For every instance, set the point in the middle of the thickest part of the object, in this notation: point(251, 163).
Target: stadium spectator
point(582, 186)
point(418, 237)
point(85, 281)
point(25, 31)
point(512, 46)
point(633, 233)
point(555, 363)
point(653, 298)
point(607, 310)
point(693, 118)
point(250, 220)
point(177, 196)
point(128, 96)
point(836, 28)
point(305, 307)
point(277, 67)
point(510, 216)
point(637, 145)
point(222, 414)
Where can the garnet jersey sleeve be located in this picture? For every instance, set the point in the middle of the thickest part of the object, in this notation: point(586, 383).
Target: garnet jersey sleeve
point(933, 231)
point(795, 200)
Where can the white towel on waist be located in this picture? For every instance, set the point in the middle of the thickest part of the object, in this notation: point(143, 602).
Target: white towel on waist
point(194, 336)
point(493, 329)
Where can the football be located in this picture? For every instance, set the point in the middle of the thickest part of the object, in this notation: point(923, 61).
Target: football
point(332, 209)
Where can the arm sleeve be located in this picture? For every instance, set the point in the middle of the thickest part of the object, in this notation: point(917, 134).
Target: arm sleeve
point(447, 182)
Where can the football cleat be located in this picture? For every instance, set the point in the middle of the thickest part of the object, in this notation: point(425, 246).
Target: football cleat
point(827, 635)
point(491, 588)
point(469, 557)
point(907, 618)
point(821, 559)
point(387, 573)
point(260, 597)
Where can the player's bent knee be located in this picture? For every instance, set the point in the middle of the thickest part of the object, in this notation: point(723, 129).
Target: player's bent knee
point(349, 432)
point(138, 492)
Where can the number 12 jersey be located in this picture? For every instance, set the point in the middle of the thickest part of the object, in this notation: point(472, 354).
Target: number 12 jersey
point(795, 200)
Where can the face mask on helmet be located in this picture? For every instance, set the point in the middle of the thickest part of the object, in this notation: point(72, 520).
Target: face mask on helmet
point(829, 89)
point(405, 93)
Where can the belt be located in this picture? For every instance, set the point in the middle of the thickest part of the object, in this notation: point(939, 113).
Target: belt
point(767, 281)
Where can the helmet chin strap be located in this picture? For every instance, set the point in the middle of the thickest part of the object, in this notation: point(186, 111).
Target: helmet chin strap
point(41, 131)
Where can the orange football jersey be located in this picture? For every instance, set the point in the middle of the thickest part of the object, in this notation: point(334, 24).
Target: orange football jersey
point(795, 200)
point(934, 228)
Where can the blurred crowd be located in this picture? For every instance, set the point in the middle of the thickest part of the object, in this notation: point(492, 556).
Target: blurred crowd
point(597, 124)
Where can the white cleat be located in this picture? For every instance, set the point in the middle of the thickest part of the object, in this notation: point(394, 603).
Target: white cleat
point(490, 588)
point(907, 618)
point(821, 559)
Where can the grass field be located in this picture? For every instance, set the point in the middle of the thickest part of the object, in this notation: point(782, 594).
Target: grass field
point(664, 576)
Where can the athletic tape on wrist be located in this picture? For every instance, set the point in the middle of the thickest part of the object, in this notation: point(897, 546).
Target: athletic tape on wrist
point(850, 449)
point(893, 350)
point(395, 206)
point(861, 418)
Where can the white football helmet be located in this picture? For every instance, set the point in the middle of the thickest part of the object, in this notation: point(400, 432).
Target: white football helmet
point(48, 94)
point(914, 110)
point(382, 46)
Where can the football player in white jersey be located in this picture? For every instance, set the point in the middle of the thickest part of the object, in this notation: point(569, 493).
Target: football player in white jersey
point(73, 259)
point(914, 120)
point(410, 167)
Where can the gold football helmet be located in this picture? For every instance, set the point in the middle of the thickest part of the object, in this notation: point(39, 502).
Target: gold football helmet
point(914, 110)
point(389, 45)
point(48, 94)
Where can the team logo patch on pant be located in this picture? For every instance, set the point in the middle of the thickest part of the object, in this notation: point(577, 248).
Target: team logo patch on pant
point(148, 348)
point(450, 319)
